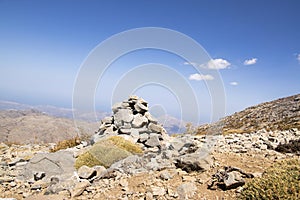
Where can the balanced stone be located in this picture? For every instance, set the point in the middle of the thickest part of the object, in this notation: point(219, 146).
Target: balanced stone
point(139, 121)
point(153, 141)
point(124, 115)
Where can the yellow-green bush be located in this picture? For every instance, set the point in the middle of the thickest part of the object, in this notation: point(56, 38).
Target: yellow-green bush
point(107, 151)
point(86, 159)
point(280, 181)
point(126, 145)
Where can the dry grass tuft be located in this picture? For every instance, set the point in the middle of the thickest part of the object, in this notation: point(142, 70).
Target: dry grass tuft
point(64, 144)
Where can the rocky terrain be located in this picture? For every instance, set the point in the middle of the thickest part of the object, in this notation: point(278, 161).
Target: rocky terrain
point(132, 157)
point(280, 114)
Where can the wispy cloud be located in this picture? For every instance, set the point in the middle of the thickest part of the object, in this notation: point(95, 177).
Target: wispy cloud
point(217, 63)
point(251, 61)
point(298, 57)
point(200, 77)
point(190, 63)
point(234, 83)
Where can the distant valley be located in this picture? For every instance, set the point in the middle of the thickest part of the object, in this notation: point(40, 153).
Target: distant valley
point(21, 123)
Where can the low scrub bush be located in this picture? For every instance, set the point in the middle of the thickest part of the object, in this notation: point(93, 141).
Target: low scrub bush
point(107, 151)
point(280, 181)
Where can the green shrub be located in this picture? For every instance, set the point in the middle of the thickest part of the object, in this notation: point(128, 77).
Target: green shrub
point(280, 181)
point(86, 159)
point(107, 151)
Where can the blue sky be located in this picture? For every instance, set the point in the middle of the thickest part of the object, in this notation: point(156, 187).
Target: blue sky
point(255, 44)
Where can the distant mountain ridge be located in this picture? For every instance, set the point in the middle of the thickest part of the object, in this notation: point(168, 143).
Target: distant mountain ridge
point(52, 111)
point(280, 114)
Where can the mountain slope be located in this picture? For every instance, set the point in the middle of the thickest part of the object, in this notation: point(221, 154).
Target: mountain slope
point(32, 126)
point(280, 114)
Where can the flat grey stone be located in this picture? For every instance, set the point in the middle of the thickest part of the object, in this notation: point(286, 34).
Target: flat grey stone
point(139, 107)
point(123, 115)
point(143, 137)
point(165, 175)
point(116, 107)
point(139, 121)
point(135, 133)
point(79, 188)
point(107, 120)
point(186, 190)
point(60, 163)
point(86, 172)
point(155, 128)
point(125, 131)
point(153, 141)
point(233, 180)
point(151, 118)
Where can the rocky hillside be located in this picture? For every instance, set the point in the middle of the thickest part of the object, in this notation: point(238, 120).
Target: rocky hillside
point(32, 126)
point(280, 114)
point(132, 157)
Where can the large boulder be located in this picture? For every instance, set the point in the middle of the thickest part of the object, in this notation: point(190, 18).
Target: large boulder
point(60, 164)
point(194, 162)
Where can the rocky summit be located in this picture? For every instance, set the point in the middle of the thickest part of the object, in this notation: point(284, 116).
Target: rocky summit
point(280, 114)
point(132, 157)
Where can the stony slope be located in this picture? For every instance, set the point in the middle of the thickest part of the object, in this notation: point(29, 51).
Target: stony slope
point(280, 114)
point(181, 167)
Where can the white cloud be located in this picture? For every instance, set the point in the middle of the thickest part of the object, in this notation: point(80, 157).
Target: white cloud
point(217, 63)
point(298, 57)
point(199, 77)
point(234, 83)
point(251, 61)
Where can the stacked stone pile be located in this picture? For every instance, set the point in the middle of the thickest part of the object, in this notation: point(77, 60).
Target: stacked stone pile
point(132, 121)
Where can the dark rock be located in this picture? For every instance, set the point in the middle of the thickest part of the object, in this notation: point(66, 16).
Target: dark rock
point(39, 175)
point(194, 162)
point(292, 147)
point(228, 178)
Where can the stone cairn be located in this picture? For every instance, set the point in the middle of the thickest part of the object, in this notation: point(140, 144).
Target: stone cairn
point(132, 121)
